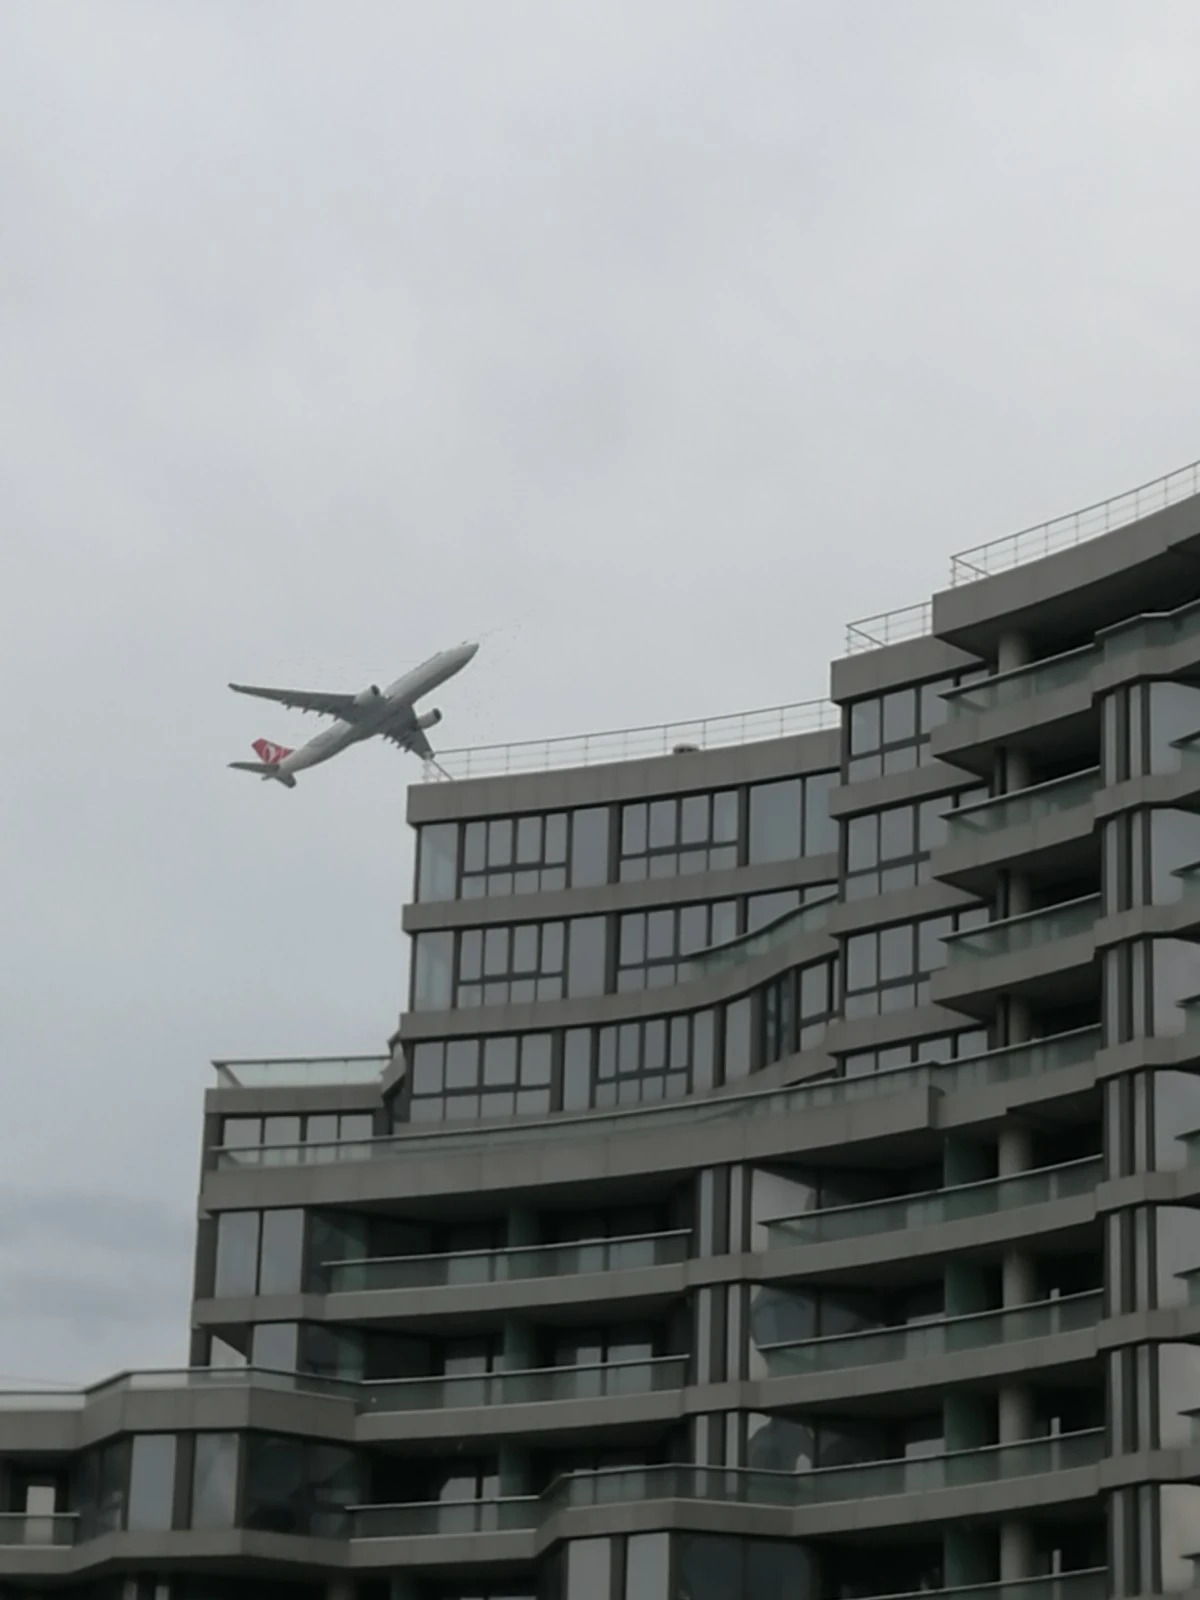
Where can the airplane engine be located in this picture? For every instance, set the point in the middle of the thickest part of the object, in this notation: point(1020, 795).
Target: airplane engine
point(430, 719)
point(368, 694)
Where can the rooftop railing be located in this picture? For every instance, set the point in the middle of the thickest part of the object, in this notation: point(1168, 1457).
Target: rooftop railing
point(1105, 516)
point(992, 1066)
point(1028, 544)
point(630, 744)
point(299, 1072)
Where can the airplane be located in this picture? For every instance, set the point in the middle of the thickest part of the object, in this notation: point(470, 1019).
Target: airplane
point(390, 713)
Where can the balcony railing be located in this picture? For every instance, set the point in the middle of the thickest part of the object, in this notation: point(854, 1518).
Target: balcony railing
point(810, 918)
point(1024, 805)
point(1087, 1583)
point(1022, 683)
point(1153, 628)
point(429, 1518)
point(994, 1066)
point(298, 1073)
point(536, 1386)
point(936, 1206)
point(1030, 544)
point(630, 744)
point(31, 1530)
point(889, 627)
point(827, 1485)
point(944, 1337)
point(510, 1263)
point(1030, 931)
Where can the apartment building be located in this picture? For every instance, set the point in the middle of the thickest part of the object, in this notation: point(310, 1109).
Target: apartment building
point(782, 1184)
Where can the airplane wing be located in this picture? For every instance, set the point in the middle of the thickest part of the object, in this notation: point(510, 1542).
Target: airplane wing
point(410, 738)
point(325, 705)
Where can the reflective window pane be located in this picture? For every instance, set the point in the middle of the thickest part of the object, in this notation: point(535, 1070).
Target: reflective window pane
point(585, 955)
point(237, 1253)
point(214, 1481)
point(775, 819)
point(437, 861)
point(152, 1483)
point(282, 1265)
point(820, 829)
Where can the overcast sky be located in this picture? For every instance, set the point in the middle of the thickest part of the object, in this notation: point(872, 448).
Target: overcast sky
point(649, 339)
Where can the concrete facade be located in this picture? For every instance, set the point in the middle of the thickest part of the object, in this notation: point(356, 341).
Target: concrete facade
point(783, 1180)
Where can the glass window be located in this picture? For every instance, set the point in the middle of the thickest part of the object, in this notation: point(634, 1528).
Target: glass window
point(274, 1346)
point(282, 1265)
point(1174, 715)
point(899, 716)
point(648, 1566)
point(897, 834)
point(775, 820)
point(275, 1485)
point(820, 829)
point(241, 1133)
point(437, 861)
point(1176, 978)
point(1174, 846)
point(237, 1253)
point(864, 727)
point(586, 966)
point(589, 1569)
point(281, 1130)
point(214, 1481)
point(737, 1039)
point(432, 957)
point(152, 1483)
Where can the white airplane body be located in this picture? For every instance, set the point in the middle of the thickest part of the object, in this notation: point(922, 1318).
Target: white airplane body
point(389, 713)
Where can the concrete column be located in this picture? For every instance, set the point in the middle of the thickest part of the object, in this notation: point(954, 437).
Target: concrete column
point(1012, 652)
point(519, 1350)
point(522, 1227)
point(1018, 897)
point(1015, 1414)
point(967, 1558)
point(512, 1470)
point(1014, 1149)
point(1016, 1551)
point(402, 1587)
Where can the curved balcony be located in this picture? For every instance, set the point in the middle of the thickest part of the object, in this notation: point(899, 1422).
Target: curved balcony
point(538, 1385)
point(994, 1066)
point(925, 1340)
point(810, 918)
point(1043, 704)
point(512, 1263)
point(826, 1485)
point(1046, 823)
point(1050, 951)
point(937, 1206)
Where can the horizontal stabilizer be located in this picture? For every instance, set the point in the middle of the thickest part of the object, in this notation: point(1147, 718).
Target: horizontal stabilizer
point(265, 769)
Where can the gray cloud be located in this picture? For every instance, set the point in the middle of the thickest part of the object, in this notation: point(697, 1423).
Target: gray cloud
point(652, 342)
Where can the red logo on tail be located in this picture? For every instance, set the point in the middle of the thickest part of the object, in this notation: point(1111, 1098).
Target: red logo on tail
point(270, 754)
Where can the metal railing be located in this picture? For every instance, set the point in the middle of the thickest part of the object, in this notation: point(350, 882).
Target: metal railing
point(429, 1518)
point(808, 918)
point(992, 1066)
point(36, 1530)
point(1105, 516)
point(507, 1263)
point(1022, 683)
point(910, 1212)
point(299, 1072)
point(866, 1480)
point(630, 744)
point(1030, 931)
point(1028, 544)
point(943, 1336)
point(889, 627)
point(534, 1386)
point(1020, 806)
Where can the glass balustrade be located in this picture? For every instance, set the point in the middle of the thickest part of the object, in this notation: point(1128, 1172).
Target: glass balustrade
point(995, 1066)
point(300, 1072)
point(923, 1340)
point(505, 1265)
point(1032, 931)
point(538, 1385)
point(1023, 683)
point(35, 1531)
point(936, 1206)
point(1088, 1583)
point(870, 1480)
point(809, 918)
point(1154, 628)
point(1023, 806)
point(425, 1519)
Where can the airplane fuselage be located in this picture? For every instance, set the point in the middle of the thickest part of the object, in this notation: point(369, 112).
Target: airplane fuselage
point(394, 704)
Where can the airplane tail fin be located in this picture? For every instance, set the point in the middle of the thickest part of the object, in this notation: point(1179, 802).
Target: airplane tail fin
point(270, 754)
point(268, 766)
